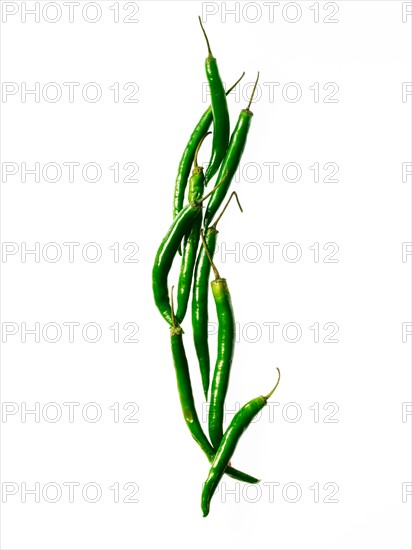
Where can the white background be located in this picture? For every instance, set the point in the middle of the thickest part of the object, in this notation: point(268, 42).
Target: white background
point(362, 381)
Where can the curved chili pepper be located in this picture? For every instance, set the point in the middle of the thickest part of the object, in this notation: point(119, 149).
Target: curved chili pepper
point(221, 123)
point(232, 159)
point(196, 189)
point(167, 250)
point(200, 300)
point(240, 422)
point(226, 348)
point(186, 161)
point(197, 181)
point(225, 351)
point(187, 403)
point(165, 255)
point(200, 316)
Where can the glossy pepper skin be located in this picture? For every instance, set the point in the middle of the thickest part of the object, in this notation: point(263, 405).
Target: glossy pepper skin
point(181, 226)
point(230, 164)
point(240, 422)
point(166, 252)
point(188, 155)
point(231, 160)
point(196, 188)
point(225, 351)
point(191, 241)
point(185, 390)
point(221, 123)
point(200, 315)
point(200, 297)
point(196, 184)
point(188, 406)
point(186, 161)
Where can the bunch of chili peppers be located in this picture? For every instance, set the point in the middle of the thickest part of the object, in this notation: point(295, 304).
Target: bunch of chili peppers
point(196, 246)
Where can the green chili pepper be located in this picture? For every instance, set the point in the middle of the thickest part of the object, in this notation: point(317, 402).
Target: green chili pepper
point(225, 351)
point(187, 268)
point(165, 255)
point(167, 250)
point(221, 123)
point(197, 181)
point(196, 189)
point(232, 159)
point(200, 300)
point(188, 155)
point(184, 387)
point(226, 348)
point(200, 315)
point(240, 422)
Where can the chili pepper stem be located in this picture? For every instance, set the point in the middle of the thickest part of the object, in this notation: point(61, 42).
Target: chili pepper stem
point(235, 84)
point(186, 160)
point(272, 391)
point(207, 40)
point(215, 271)
point(196, 166)
point(253, 93)
point(234, 194)
point(213, 190)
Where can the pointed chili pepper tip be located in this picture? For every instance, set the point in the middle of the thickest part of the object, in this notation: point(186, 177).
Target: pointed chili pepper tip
point(175, 328)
